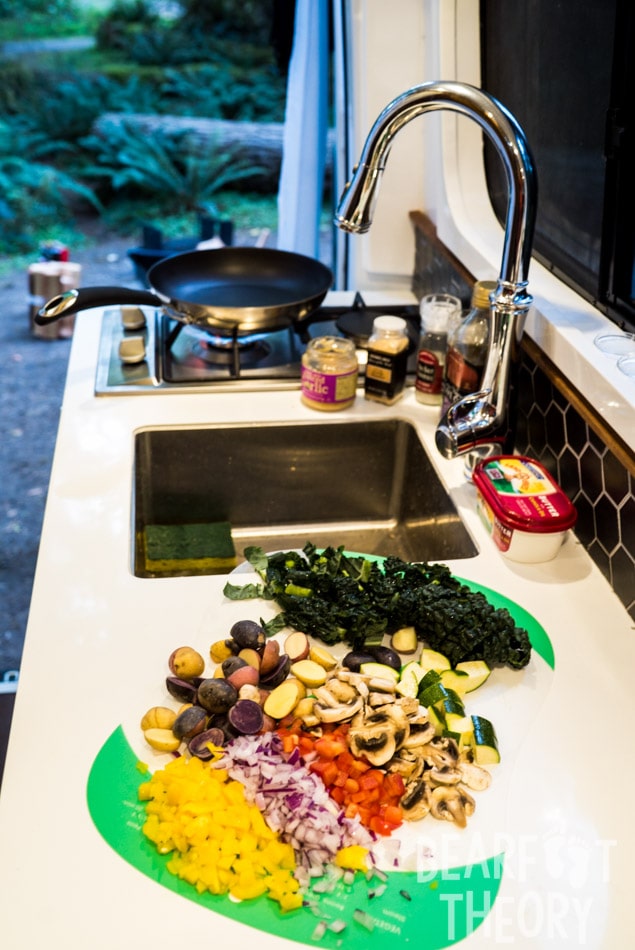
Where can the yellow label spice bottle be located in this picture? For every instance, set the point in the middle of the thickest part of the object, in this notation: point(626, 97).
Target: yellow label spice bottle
point(387, 360)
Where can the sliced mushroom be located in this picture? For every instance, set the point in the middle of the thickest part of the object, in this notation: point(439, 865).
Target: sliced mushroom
point(382, 685)
point(407, 764)
point(451, 803)
point(402, 724)
point(376, 747)
point(420, 734)
point(474, 776)
point(376, 699)
point(412, 707)
point(415, 802)
point(325, 697)
point(446, 775)
point(373, 737)
point(342, 691)
point(440, 752)
point(341, 713)
point(358, 680)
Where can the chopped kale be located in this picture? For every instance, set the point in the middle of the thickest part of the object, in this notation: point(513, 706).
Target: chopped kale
point(338, 597)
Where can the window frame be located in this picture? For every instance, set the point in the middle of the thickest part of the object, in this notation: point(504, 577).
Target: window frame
point(561, 322)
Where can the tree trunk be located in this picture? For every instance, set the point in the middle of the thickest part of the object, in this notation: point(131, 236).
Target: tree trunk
point(257, 143)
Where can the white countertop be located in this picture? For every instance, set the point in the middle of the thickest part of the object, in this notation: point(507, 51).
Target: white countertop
point(96, 648)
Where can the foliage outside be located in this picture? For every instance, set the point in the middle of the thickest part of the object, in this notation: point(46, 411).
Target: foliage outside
point(213, 60)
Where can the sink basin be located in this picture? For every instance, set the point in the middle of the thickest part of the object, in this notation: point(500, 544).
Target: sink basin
point(368, 485)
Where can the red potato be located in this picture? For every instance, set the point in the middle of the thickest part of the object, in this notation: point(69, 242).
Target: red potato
point(244, 675)
point(268, 723)
point(270, 657)
point(297, 646)
point(279, 673)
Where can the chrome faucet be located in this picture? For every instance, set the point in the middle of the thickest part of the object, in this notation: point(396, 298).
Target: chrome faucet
point(478, 422)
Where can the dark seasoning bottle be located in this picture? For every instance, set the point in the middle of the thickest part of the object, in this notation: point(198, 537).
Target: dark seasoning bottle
point(467, 348)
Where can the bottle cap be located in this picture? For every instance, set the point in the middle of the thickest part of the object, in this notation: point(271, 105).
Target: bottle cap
point(481, 293)
point(387, 325)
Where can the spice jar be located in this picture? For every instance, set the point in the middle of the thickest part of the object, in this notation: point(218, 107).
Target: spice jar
point(329, 373)
point(439, 312)
point(387, 360)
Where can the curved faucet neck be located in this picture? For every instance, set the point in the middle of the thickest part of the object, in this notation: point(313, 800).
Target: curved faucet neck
point(479, 420)
point(356, 206)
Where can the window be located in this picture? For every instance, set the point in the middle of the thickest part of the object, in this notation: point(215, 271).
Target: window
point(563, 68)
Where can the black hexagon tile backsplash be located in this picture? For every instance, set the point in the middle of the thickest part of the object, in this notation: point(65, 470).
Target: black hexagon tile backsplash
point(551, 430)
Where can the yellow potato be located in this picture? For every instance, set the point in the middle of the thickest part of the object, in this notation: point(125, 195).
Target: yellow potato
point(309, 672)
point(322, 657)
point(283, 699)
point(158, 717)
point(186, 663)
point(163, 740)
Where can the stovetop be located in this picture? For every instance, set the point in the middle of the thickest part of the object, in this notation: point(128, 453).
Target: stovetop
point(142, 350)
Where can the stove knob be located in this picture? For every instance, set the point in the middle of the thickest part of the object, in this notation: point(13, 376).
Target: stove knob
point(132, 349)
point(132, 318)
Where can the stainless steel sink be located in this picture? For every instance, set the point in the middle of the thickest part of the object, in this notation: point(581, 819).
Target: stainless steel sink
point(367, 485)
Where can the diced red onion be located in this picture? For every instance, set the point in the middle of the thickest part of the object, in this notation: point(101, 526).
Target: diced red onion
point(294, 802)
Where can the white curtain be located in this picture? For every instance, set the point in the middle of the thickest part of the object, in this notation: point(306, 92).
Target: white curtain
point(304, 142)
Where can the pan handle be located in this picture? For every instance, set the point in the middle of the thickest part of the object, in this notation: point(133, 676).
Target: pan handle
point(72, 301)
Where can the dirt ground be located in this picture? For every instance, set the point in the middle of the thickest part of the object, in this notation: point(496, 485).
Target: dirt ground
point(31, 389)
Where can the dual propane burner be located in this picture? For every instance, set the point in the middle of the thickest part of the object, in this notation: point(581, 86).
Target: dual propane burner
point(142, 350)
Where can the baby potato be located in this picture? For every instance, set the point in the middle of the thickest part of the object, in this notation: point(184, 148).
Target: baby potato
point(158, 717)
point(186, 663)
point(163, 740)
point(222, 649)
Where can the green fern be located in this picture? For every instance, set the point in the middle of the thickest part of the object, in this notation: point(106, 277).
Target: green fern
point(171, 166)
point(34, 194)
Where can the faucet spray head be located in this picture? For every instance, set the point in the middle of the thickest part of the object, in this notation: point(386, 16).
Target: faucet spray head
point(354, 212)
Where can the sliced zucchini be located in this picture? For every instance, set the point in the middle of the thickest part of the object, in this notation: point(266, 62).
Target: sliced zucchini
point(437, 718)
point(456, 680)
point(433, 660)
point(485, 742)
point(410, 677)
point(477, 672)
point(380, 671)
point(461, 728)
point(429, 678)
point(452, 706)
point(437, 694)
point(412, 667)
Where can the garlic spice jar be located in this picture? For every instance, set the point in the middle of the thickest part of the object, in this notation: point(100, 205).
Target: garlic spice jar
point(329, 373)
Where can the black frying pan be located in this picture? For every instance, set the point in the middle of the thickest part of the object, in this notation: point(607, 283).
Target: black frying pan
point(229, 289)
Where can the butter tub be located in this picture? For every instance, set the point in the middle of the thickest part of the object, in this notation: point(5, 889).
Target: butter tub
point(523, 508)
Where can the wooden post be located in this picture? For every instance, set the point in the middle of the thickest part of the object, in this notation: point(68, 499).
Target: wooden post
point(47, 279)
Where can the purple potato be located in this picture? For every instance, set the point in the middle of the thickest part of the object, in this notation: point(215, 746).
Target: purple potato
point(246, 717)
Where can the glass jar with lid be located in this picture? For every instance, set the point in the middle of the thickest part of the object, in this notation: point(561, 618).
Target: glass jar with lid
point(387, 360)
point(439, 314)
point(329, 373)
